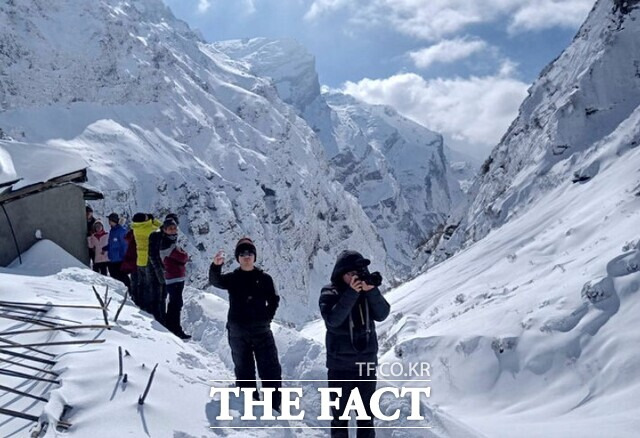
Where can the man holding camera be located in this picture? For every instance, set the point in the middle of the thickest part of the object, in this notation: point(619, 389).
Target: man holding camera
point(349, 307)
point(253, 302)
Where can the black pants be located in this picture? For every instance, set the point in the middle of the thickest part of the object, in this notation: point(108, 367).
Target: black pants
point(116, 272)
point(156, 296)
point(102, 268)
point(141, 286)
point(348, 380)
point(133, 290)
point(247, 350)
point(174, 292)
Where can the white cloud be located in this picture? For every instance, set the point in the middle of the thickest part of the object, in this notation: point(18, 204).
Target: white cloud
point(434, 19)
point(447, 51)
point(545, 14)
point(477, 110)
point(321, 7)
point(203, 6)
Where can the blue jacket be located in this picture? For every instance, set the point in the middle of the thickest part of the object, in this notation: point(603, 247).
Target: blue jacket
point(117, 246)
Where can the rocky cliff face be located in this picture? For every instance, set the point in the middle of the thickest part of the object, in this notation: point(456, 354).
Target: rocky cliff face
point(394, 167)
point(577, 101)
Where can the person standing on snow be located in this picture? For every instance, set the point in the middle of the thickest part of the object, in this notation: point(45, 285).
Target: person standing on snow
point(116, 249)
point(143, 225)
point(169, 262)
point(98, 242)
point(349, 307)
point(253, 302)
point(90, 221)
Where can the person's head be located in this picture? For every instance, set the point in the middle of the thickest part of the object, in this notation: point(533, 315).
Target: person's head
point(246, 253)
point(139, 217)
point(347, 266)
point(170, 227)
point(89, 211)
point(97, 227)
point(172, 216)
point(114, 219)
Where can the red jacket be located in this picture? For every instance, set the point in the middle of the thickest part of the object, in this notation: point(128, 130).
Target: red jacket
point(129, 263)
point(175, 264)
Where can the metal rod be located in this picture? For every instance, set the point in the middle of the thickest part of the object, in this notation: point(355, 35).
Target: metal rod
point(15, 240)
point(18, 345)
point(26, 376)
point(27, 357)
point(124, 300)
point(102, 306)
point(66, 327)
point(31, 309)
point(119, 361)
point(18, 364)
point(33, 321)
point(51, 344)
point(16, 414)
point(42, 317)
point(142, 398)
point(72, 306)
point(22, 393)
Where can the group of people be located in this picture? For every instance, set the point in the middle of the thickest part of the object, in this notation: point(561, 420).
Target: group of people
point(350, 305)
point(147, 258)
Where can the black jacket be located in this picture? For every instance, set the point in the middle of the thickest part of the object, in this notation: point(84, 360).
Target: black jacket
point(349, 317)
point(156, 241)
point(253, 299)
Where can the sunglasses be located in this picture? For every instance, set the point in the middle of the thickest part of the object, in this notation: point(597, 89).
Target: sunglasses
point(245, 253)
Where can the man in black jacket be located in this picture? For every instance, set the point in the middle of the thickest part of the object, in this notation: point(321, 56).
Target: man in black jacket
point(349, 307)
point(253, 302)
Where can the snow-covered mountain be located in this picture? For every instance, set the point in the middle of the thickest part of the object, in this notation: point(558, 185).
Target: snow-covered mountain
point(578, 100)
point(168, 123)
point(396, 168)
point(531, 327)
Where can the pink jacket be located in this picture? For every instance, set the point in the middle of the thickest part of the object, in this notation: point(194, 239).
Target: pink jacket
point(99, 241)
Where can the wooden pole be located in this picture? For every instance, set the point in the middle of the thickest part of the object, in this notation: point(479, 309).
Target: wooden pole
point(20, 375)
point(124, 300)
point(18, 345)
point(102, 306)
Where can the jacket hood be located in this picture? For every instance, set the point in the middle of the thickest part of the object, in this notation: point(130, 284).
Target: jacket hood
point(347, 261)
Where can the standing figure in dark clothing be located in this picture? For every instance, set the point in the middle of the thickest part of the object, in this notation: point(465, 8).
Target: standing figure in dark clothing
point(116, 249)
point(349, 307)
point(253, 302)
point(169, 262)
point(90, 221)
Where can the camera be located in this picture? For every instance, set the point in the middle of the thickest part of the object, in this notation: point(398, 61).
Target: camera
point(371, 278)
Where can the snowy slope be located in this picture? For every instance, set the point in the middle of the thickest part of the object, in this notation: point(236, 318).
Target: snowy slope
point(578, 100)
point(394, 167)
point(102, 404)
point(532, 331)
point(167, 123)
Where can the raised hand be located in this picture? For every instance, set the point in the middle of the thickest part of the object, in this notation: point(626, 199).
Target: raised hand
point(218, 259)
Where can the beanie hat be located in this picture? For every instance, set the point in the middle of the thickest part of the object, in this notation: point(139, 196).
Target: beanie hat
point(172, 216)
point(89, 209)
point(139, 217)
point(113, 217)
point(245, 244)
point(169, 222)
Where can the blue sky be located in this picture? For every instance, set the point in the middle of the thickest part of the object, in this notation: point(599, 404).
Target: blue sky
point(459, 67)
